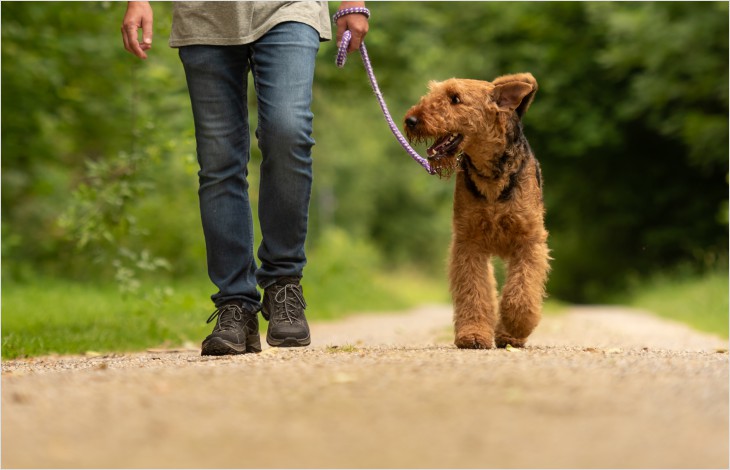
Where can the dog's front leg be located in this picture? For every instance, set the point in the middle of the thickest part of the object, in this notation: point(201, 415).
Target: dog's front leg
point(474, 293)
point(520, 307)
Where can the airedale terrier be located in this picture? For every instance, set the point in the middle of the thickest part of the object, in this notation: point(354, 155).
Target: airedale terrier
point(498, 204)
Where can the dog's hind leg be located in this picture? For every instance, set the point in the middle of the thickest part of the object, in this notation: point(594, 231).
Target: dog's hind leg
point(520, 306)
point(474, 292)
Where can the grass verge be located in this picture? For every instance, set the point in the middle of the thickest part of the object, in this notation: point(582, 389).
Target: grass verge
point(62, 317)
point(701, 302)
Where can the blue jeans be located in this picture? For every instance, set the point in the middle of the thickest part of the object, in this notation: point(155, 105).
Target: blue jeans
point(282, 67)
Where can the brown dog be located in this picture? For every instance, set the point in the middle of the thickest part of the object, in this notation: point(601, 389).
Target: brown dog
point(498, 206)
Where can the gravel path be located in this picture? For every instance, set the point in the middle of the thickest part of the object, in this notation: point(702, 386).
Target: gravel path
point(596, 387)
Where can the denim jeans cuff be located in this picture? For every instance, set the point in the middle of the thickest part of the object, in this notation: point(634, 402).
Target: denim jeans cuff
point(249, 306)
point(264, 283)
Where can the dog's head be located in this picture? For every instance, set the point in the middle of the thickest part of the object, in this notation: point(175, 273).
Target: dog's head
point(460, 114)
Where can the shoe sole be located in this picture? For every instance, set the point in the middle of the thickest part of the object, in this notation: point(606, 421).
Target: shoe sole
point(288, 342)
point(221, 347)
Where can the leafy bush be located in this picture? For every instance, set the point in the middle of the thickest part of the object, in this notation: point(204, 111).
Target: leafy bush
point(630, 125)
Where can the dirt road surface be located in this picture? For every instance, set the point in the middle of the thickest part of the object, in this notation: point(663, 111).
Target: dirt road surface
point(596, 387)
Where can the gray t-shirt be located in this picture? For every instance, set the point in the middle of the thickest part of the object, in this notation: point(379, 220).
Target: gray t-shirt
point(236, 23)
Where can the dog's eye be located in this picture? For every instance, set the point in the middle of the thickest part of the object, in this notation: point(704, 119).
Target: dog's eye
point(455, 99)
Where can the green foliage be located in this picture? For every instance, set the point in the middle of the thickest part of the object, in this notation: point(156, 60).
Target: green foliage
point(700, 301)
point(79, 134)
point(680, 87)
point(98, 219)
point(66, 317)
point(630, 125)
point(350, 275)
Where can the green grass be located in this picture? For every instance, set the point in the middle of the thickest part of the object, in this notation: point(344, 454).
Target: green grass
point(62, 317)
point(345, 275)
point(701, 302)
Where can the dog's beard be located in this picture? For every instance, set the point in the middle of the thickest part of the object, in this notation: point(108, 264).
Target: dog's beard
point(444, 155)
point(446, 165)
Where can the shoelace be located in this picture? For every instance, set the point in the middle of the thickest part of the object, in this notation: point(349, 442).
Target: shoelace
point(288, 299)
point(228, 316)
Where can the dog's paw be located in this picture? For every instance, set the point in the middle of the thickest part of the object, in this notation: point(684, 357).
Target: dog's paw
point(474, 341)
point(503, 340)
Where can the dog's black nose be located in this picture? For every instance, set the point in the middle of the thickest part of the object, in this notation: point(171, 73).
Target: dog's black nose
point(411, 121)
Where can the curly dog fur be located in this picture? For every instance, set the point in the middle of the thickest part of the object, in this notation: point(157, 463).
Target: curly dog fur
point(477, 132)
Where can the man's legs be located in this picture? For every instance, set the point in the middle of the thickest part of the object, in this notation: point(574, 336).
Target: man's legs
point(282, 64)
point(216, 77)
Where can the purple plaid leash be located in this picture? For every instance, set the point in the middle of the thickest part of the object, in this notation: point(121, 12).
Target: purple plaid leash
point(340, 61)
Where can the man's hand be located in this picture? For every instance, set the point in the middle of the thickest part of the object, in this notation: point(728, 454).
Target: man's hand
point(138, 15)
point(356, 23)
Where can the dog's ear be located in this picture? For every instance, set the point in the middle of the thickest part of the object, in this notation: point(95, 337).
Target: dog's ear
point(515, 92)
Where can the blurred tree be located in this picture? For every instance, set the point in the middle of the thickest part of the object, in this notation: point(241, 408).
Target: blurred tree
point(630, 125)
point(674, 58)
point(80, 134)
point(55, 108)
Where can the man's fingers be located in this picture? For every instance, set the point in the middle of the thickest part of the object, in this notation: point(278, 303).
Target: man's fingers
point(131, 41)
point(125, 41)
point(147, 31)
point(341, 28)
point(357, 25)
point(355, 43)
point(138, 16)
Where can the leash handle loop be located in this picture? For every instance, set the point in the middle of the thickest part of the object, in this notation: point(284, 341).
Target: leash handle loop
point(347, 35)
point(350, 11)
point(340, 62)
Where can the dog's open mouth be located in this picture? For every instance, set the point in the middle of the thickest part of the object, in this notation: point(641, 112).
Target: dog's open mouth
point(445, 146)
point(442, 154)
